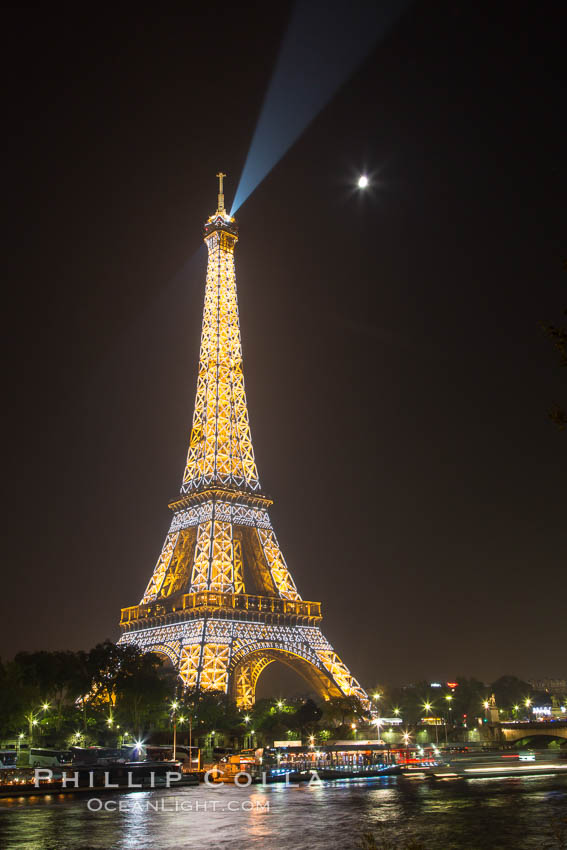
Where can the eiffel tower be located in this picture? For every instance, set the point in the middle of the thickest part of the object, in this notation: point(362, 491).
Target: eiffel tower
point(221, 603)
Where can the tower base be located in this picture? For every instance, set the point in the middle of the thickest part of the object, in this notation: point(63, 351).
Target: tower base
point(217, 654)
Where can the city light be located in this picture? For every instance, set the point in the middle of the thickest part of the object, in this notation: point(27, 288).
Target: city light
point(45, 706)
point(247, 718)
point(280, 704)
point(362, 181)
point(486, 703)
point(527, 702)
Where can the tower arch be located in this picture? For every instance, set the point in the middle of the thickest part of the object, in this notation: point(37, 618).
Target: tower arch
point(247, 667)
point(168, 652)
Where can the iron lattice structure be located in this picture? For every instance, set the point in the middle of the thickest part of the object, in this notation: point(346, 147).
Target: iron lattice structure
point(221, 603)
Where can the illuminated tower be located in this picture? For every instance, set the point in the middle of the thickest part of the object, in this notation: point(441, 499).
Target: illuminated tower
point(221, 603)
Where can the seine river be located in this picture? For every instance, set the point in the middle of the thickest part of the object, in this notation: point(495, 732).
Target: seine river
point(472, 814)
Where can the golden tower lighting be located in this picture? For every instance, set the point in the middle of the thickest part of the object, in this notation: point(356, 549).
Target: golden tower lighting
point(221, 603)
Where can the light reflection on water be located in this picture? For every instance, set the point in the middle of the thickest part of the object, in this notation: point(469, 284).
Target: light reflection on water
point(476, 814)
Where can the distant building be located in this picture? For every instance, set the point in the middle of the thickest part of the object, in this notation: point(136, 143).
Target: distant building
point(556, 687)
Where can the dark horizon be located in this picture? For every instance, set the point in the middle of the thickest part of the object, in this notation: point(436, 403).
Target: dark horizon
point(398, 380)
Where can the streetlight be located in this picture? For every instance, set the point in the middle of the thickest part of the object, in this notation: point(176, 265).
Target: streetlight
point(174, 706)
point(449, 698)
point(407, 738)
point(191, 745)
point(378, 722)
point(32, 718)
point(427, 707)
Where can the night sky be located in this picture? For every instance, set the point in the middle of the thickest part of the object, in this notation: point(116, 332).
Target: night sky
point(398, 382)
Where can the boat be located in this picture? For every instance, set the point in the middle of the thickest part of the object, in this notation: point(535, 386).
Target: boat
point(112, 777)
point(484, 764)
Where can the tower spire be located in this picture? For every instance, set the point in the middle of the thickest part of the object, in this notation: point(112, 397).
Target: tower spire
point(220, 448)
point(220, 208)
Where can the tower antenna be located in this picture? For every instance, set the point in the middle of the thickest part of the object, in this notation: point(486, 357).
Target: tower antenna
point(220, 175)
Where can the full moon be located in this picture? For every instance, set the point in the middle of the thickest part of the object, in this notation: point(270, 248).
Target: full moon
point(362, 181)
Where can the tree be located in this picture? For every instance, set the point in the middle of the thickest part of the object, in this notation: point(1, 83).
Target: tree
point(104, 663)
point(55, 678)
point(510, 691)
point(16, 696)
point(467, 700)
point(307, 715)
point(340, 711)
point(558, 336)
point(141, 693)
point(211, 711)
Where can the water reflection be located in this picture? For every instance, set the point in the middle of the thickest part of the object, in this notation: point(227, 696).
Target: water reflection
point(508, 813)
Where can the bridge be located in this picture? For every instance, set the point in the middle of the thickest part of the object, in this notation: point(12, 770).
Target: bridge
point(511, 732)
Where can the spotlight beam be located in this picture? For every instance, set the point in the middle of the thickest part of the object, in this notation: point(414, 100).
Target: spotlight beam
point(323, 46)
